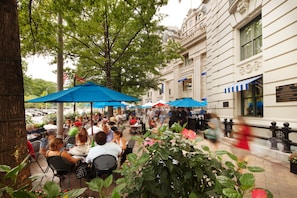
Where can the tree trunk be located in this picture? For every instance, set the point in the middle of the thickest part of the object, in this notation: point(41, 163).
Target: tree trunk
point(13, 147)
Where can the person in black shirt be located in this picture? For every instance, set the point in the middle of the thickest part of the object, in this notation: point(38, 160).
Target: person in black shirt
point(173, 116)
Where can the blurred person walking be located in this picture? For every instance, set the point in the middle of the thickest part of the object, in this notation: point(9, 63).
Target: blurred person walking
point(241, 148)
point(213, 133)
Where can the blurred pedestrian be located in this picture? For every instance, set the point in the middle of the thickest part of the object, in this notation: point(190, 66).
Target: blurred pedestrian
point(241, 148)
point(213, 133)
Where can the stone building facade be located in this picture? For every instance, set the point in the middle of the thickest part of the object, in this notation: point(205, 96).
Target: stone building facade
point(240, 56)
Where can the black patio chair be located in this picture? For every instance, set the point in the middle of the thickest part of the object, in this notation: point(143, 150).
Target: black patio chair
point(69, 141)
point(36, 148)
point(104, 165)
point(60, 168)
point(128, 150)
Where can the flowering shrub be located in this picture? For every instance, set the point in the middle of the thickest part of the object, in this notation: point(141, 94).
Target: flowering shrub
point(293, 158)
point(173, 166)
point(16, 190)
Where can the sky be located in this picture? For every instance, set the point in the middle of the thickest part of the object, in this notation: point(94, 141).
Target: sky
point(40, 67)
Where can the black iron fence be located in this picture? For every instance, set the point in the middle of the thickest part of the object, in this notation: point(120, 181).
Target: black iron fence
point(278, 134)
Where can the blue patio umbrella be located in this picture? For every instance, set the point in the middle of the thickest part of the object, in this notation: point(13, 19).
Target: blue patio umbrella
point(107, 104)
point(187, 102)
point(88, 92)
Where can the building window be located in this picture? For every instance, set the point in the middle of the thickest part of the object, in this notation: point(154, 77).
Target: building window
point(251, 38)
point(188, 61)
point(187, 84)
point(252, 99)
point(169, 91)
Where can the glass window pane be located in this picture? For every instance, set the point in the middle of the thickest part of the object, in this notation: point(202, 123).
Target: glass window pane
point(251, 35)
point(248, 107)
point(258, 45)
point(247, 51)
point(258, 28)
point(259, 107)
point(246, 35)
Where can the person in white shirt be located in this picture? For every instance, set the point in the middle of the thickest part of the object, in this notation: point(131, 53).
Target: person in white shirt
point(96, 129)
point(103, 147)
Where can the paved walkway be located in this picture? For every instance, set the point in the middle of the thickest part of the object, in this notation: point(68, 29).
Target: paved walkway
point(276, 177)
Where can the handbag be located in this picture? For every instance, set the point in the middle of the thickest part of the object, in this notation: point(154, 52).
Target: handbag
point(82, 170)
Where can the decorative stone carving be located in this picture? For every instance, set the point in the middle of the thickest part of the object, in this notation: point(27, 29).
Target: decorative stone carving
point(249, 67)
point(242, 6)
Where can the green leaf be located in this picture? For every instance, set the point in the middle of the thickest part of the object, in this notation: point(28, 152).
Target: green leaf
point(221, 152)
point(132, 157)
point(205, 148)
point(4, 168)
point(255, 169)
point(229, 164)
point(51, 189)
point(75, 193)
point(247, 181)
point(108, 181)
point(95, 184)
point(225, 181)
point(231, 193)
point(23, 193)
point(193, 195)
point(234, 157)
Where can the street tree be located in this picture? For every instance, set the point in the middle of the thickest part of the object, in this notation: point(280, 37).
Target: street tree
point(13, 147)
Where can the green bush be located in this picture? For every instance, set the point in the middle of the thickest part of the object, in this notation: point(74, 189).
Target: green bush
point(174, 167)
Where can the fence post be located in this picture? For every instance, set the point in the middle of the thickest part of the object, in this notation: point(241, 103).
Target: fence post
point(286, 142)
point(273, 139)
point(228, 127)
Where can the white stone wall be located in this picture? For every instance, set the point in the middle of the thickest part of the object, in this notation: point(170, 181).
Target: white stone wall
point(277, 62)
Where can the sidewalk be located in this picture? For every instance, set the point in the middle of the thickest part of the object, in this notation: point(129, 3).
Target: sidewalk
point(277, 177)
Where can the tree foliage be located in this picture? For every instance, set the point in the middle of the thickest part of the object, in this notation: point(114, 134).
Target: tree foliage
point(115, 43)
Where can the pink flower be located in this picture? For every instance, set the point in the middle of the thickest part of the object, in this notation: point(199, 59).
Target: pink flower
point(149, 142)
point(259, 193)
point(190, 134)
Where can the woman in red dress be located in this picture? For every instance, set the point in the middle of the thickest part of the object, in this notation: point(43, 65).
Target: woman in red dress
point(243, 136)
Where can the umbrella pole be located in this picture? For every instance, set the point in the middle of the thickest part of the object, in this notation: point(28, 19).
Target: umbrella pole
point(92, 118)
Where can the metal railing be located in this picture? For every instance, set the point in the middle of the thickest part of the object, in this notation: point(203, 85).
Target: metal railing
point(278, 134)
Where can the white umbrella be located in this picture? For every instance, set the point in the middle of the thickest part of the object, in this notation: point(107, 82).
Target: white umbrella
point(147, 105)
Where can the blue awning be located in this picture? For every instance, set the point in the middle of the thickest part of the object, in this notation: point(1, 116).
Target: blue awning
point(241, 85)
point(182, 80)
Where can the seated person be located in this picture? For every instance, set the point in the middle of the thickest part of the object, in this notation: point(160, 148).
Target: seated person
point(112, 122)
point(48, 136)
point(120, 140)
point(82, 143)
point(133, 120)
point(103, 147)
point(56, 146)
point(109, 133)
point(73, 131)
point(152, 123)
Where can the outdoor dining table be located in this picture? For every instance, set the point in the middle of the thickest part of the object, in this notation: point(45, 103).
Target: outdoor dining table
point(33, 137)
point(135, 128)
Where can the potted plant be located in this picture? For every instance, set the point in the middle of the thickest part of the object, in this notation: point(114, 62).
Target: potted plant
point(293, 162)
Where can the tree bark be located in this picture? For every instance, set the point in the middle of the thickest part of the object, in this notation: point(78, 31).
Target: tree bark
point(13, 147)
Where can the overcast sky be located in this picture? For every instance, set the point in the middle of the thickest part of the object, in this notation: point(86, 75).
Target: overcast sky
point(39, 67)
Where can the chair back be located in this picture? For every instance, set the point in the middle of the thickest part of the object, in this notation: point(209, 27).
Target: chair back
point(58, 164)
point(105, 163)
point(131, 143)
point(70, 140)
point(36, 148)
